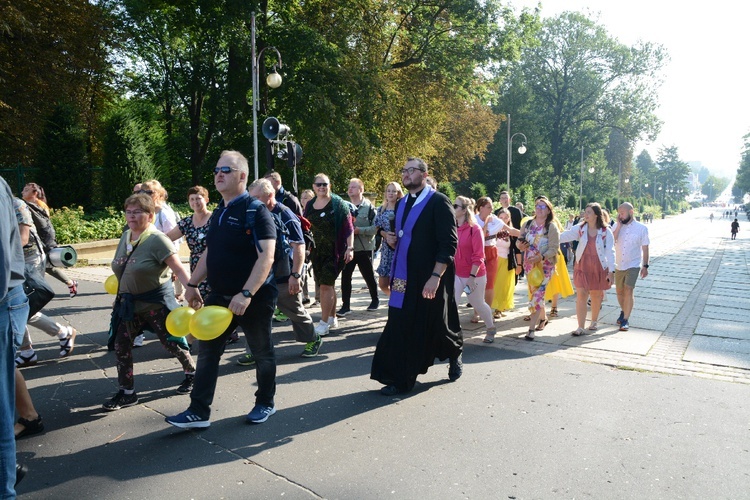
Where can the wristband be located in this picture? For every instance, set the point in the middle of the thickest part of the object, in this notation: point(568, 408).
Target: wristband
point(190, 285)
point(473, 275)
point(437, 275)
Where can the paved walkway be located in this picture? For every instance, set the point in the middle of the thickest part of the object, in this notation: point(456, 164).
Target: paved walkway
point(599, 416)
point(692, 313)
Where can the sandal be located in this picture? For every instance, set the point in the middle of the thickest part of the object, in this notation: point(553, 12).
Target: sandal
point(553, 313)
point(527, 318)
point(475, 320)
point(542, 324)
point(578, 332)
point(30, 427)
point(67, 344)
point(489, 336)
point(594, 326)
point(530, 335)
point(73, 289)
point(24, 361)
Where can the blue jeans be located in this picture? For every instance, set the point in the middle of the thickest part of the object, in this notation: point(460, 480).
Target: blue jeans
point(256, 323)
point(14, 310)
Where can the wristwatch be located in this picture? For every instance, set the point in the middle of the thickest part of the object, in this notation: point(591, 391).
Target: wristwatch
point(247, 293)
point(296, 275)
point(645, 265)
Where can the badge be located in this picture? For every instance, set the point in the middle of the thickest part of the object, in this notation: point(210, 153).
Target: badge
point(400, 233)
point(129, 248)
point(322, 214)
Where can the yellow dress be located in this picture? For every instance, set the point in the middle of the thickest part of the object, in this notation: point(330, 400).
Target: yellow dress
point(505, 286)
point(560, 281)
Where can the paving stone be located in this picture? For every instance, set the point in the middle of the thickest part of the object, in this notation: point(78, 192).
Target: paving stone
point(719, 351)
point(723, 329)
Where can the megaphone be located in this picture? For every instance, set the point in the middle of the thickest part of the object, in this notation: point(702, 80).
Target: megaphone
point(272, 128)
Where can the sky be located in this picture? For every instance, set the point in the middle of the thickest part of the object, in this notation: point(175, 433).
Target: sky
point(705, 97)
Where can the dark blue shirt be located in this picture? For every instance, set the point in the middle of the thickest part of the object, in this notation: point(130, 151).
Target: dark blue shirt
point(232, 251)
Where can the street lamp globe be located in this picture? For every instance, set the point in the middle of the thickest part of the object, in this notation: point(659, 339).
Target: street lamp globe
point(592, 170)
point(274, 79)
point(522, 149)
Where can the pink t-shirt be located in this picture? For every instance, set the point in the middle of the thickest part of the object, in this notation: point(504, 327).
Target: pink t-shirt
point(470, 251)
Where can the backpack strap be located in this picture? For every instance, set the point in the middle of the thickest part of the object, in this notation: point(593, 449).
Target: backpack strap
point(253, 204)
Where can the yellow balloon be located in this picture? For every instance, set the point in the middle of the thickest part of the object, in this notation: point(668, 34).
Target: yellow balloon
point(209, 322)
point(111, 285)
point(178, 321)
point(535, 277)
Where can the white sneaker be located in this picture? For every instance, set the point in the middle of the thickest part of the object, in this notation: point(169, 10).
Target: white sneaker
point(333, 322)
point(138, 341)
point(322, 329)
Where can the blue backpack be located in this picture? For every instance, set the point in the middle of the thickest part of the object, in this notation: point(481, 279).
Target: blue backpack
point(282, 257)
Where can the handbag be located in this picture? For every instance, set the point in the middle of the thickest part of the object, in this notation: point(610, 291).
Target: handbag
point(36, 289)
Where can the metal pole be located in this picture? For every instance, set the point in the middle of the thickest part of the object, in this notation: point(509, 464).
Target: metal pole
point(580, 197)
point(508, 159)
point(255, 98)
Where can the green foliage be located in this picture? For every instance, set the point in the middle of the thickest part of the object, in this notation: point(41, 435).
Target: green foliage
point(62, 159)
point(128, 159)
point(446, 188)
point(572, 202)
point(477, 190)
point(72, 225)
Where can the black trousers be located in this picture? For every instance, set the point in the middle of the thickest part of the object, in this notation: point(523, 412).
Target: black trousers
point(363, 260)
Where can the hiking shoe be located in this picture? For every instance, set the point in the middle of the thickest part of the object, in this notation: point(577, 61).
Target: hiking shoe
point(73, 289)
point(260, 414)
point(312, 348)
point(621, 317)
point(456, 368)
point(279, 316)
point(120, 400)
point(322, 329)
point(188, 420)
point(187, 385)
point(22, 361)
point(343, 311)
point(374, 305)
point(246, 360)
point(624, 326)
point(138, 341)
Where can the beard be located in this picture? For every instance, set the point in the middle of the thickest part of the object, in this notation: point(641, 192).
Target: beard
point(625, 221)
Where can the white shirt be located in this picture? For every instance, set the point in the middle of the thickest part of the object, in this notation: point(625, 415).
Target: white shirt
point(631, 238)
point(494, 226)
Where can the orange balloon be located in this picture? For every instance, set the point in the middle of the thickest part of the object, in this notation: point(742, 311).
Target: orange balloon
point(209, 322)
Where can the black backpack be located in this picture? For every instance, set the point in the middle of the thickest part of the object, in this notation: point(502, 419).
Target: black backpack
point(282, 257)
point(43, 226)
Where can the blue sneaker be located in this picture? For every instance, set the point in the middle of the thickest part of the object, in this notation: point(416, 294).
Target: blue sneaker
point(624, 326)
point(621, 317)
point(188, 420)
point(260, 414)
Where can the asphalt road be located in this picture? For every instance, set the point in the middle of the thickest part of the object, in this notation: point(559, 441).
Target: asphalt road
point(523, 422)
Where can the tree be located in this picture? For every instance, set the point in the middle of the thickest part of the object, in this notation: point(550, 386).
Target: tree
point(61, 158)
point(574, 88)
point(742, 181)
point(50, 49)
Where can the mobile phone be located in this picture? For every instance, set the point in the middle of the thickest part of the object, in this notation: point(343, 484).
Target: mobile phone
point(467, 290)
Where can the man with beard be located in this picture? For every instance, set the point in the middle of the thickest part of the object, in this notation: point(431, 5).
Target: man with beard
point(631, 240)
point(423, 319)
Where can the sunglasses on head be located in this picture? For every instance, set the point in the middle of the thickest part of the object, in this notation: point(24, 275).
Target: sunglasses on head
point(224, 170)
point(321, 184)
point(145, 191)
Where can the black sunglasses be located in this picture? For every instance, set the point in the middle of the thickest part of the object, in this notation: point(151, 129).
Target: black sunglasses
point(145, 191)
point(321, 184)
point(455, 206)
point(223, 170)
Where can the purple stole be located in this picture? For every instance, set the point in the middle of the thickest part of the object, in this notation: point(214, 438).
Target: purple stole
point(398, 267)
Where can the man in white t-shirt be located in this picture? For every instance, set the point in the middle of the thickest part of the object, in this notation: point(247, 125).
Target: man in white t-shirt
point(631, 259)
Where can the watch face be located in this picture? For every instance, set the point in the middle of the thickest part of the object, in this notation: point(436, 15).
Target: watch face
point(296, 275)
point(247, 293)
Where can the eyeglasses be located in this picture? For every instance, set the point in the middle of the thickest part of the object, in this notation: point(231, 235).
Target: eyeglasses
point(541, 206)
point(321, 184)
point(410, 170)
point(224, 170)
point(144, 191)
point(457, 206)
point(134, 213)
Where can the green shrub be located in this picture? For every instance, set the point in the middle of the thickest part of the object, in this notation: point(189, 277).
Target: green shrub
point(72, 225)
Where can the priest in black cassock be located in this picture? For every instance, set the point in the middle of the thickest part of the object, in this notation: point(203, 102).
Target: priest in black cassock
point(423, 319)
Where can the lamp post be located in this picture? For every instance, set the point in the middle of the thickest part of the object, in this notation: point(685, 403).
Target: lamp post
point(273, 81)
point(591, 171)
point(521, 149)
